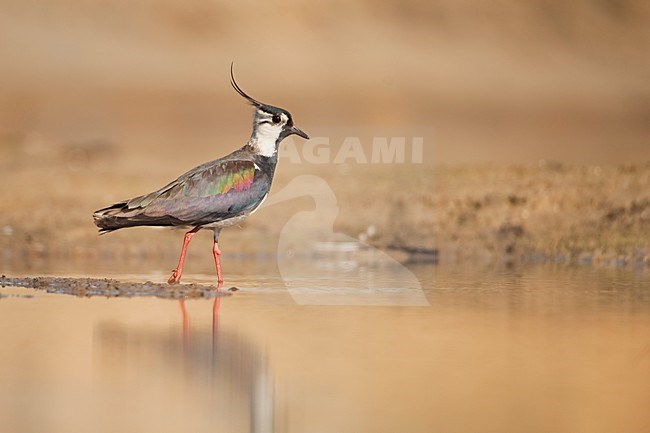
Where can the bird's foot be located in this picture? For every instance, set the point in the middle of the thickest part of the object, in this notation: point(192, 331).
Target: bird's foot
point(175, 277)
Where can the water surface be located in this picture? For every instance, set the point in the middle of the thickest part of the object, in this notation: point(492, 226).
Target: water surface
point(542, 349)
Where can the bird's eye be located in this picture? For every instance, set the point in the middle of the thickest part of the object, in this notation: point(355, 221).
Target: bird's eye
point(276, 119)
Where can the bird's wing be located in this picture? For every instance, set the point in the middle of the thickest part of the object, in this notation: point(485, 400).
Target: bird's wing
point(211, 192)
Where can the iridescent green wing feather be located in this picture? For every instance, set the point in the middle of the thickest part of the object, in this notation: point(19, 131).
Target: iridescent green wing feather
point(209, 179)
point(239, 180)
point(211, 192)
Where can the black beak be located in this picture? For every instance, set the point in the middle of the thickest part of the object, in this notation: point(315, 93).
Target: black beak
point(298, 132)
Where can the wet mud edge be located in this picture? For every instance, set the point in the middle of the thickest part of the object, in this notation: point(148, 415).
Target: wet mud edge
point(113, 288)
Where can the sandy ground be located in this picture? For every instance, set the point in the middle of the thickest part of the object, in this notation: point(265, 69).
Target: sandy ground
point(535, 117)
point(546, 212)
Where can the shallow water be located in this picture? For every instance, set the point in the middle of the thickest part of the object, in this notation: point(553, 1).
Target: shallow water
point(537, 349)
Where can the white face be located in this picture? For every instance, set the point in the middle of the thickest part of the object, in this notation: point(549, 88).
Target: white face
point(268, 128)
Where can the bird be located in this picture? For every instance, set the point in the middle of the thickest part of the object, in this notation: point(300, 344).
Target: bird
point(213, 195)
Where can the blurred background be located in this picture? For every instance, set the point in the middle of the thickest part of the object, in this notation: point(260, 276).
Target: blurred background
point(103, 100)
point(535, 120)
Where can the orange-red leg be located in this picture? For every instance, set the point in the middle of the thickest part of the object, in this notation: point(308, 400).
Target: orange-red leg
point(216, 252)
point(178, 272)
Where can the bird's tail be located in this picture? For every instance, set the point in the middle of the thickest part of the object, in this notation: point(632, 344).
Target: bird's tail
point(108, 219)
point(124, 214)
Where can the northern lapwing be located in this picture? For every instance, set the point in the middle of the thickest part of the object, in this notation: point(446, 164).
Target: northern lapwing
point(216, 194)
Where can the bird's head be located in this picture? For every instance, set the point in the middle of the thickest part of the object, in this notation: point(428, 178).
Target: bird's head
point(271, 124)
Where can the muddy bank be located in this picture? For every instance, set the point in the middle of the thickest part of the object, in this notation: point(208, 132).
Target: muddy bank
point(550, 212)
point(112, 288)
point(546, 212)
point(543, 212)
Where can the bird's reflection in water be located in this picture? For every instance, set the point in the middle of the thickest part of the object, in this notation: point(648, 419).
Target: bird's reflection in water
point(215, 377)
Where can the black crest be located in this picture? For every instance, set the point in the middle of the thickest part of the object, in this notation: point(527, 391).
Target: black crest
point(265, 107)
point(240, 91)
